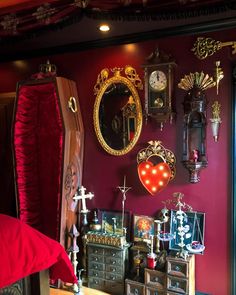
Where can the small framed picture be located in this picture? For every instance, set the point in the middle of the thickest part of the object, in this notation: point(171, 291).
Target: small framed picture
point(111, 221)
point(143, 228)
point(193, 231)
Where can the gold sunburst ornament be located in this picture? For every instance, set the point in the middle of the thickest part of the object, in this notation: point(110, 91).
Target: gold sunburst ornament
point(196, 80)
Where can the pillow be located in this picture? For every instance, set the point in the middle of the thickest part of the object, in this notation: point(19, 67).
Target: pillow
point(24, 250)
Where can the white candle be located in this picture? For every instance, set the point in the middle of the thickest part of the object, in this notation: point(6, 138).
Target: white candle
point(151, 243)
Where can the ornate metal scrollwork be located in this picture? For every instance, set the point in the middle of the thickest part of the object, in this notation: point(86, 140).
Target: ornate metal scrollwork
point(155, 148)
point(205, 47)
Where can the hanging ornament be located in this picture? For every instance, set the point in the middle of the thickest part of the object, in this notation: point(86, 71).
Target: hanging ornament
point(156, 167)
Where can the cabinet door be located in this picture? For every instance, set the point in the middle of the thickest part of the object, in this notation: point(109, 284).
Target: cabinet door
point(114, 288)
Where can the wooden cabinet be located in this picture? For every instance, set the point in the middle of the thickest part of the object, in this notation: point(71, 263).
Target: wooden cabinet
point(178, 279)
point(181, 275)
point(107, 266)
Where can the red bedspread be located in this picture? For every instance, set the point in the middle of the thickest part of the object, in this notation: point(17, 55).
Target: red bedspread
point(24, 250)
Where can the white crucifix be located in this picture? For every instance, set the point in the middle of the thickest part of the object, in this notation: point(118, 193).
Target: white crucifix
point(82, 196)
point(124, 189)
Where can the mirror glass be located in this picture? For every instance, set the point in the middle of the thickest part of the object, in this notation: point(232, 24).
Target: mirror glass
point(117, 110)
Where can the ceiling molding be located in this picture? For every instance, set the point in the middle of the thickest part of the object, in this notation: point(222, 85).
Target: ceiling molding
point(218, 25)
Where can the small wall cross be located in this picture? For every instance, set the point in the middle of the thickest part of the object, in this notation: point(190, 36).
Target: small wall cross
point(82, 196)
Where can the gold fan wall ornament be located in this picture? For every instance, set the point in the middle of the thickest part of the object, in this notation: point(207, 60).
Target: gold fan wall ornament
point(196, 80)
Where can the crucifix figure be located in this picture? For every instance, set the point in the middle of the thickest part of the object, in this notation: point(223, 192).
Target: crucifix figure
point(124, 190)
point(82, 196)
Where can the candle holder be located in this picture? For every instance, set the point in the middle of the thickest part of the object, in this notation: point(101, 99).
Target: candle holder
point(74, 248)
point(137, 260)
point(215, 120)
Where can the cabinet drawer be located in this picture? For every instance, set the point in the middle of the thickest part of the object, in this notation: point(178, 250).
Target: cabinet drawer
point(96, 273)
point(178, 269)
point(113, 277)
point(114, 288)
point(155, 278)
point(114, 269)
point(96, 266)
point(113, 253)
point(96, 283)
point(96, 258)
point(95, 250)
point(179, 285)
point(113, 261)
point(134, 288)
point(153, 291)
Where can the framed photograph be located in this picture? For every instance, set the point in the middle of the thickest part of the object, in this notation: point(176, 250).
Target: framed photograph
point(143, 228)
point(193, 229)
point(111, 221)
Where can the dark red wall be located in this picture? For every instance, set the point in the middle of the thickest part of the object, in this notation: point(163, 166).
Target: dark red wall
point(103, 172)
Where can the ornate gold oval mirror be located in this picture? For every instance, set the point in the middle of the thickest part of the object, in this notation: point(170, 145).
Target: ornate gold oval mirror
point(117, 111)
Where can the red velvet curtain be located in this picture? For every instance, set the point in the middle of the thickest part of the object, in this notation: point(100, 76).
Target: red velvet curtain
point(38, 135)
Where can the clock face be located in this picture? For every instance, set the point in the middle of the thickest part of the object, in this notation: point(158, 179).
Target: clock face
point(158, 80)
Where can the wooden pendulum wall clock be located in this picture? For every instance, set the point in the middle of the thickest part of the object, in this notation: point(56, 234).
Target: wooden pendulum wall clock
point(159, 70)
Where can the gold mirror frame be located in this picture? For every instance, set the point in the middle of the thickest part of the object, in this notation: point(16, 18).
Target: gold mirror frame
point(132, 81)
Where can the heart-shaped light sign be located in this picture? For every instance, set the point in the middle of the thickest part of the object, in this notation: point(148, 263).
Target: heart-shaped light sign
point(154, 177)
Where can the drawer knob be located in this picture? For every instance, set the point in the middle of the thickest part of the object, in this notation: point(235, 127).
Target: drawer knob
point(113, 269)
point(96, 259)
point(177, 284)
point(136, 292)
point(113, 262)
point(177, 268)
point(156, 279)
